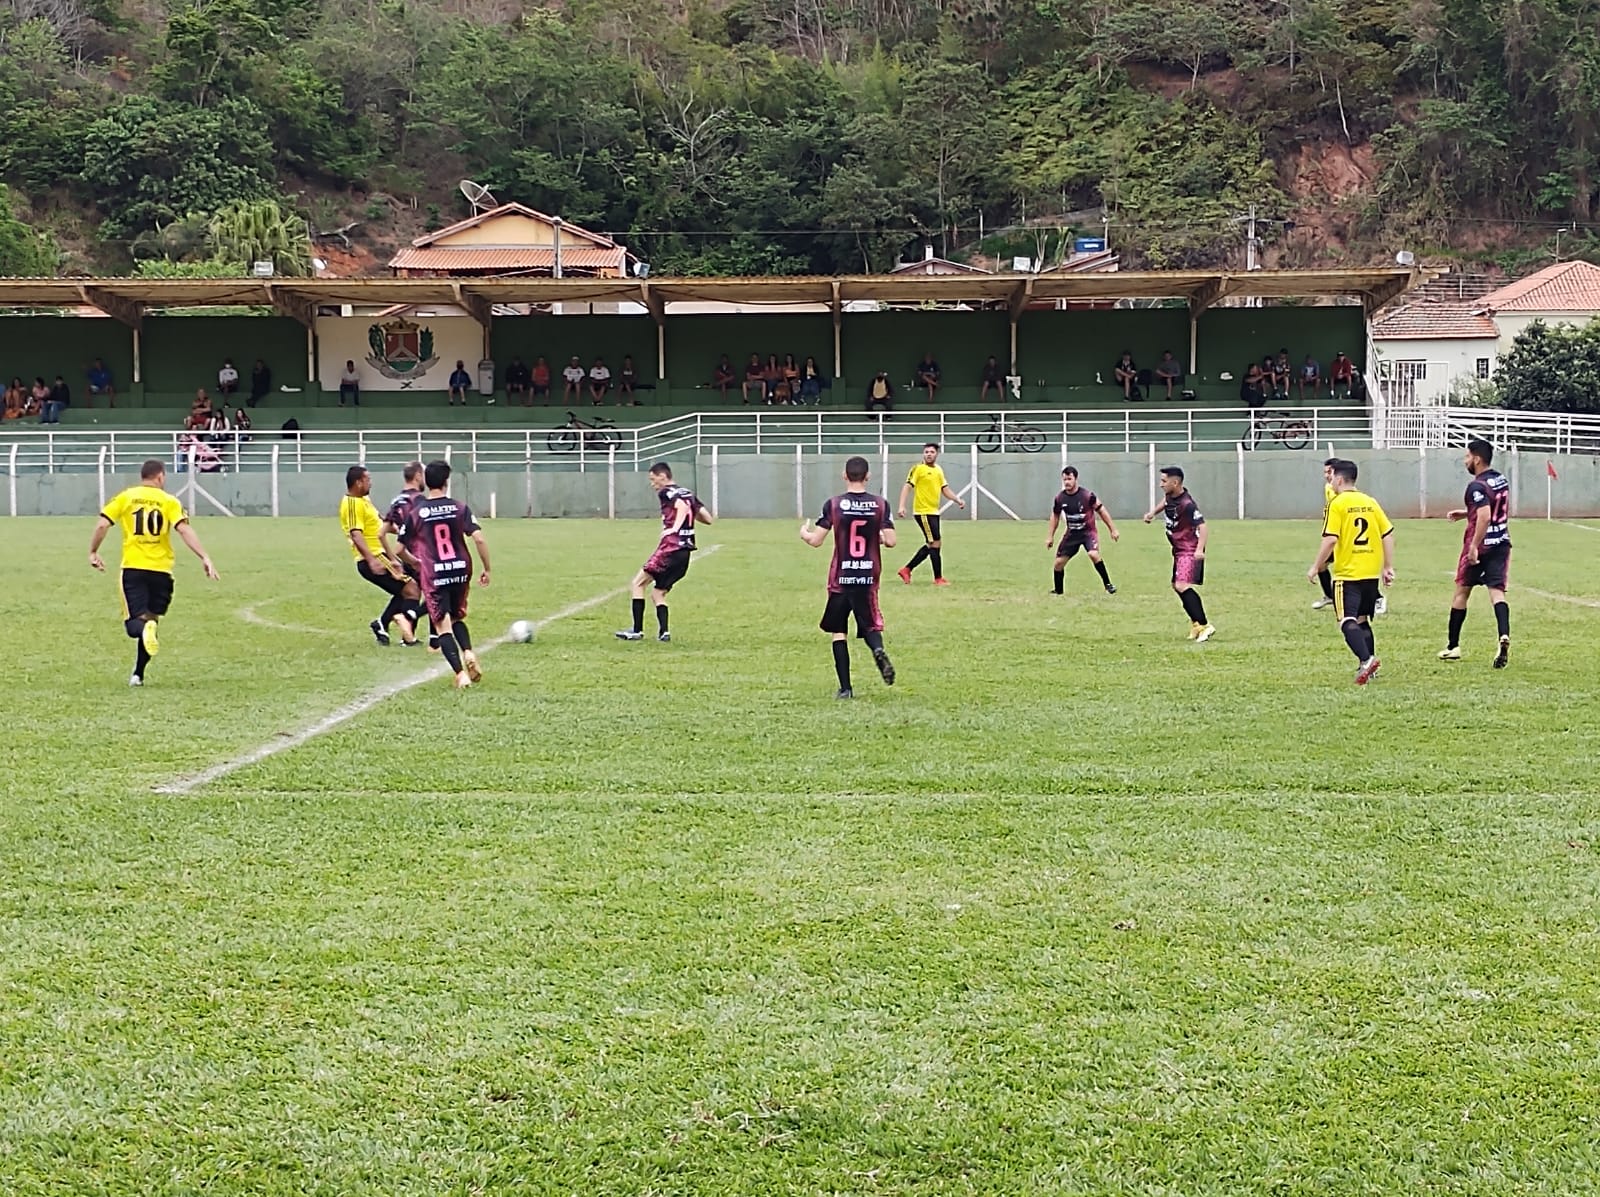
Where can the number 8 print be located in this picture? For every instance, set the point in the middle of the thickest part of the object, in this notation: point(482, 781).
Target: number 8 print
point(443, 544)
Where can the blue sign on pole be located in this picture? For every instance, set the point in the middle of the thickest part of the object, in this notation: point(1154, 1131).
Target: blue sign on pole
point(1088, 245)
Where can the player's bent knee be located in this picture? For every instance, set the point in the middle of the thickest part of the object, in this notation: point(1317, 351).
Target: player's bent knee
point(133, 625)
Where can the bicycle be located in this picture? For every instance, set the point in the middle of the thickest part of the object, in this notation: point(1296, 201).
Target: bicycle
point(565, 438)
point(1281, 426)
point(1022, 437)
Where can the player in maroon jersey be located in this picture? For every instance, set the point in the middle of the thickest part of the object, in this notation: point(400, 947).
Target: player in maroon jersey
point(1078, 507)
point(1186, 529)
point(438, 532)
point(1485, 550)
point(862, 526)
point(681, 510)
point(394, 524)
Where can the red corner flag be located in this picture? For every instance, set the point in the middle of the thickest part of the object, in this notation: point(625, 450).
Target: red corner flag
point(1550, 469)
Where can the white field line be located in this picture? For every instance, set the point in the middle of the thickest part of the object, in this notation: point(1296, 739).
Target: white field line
point(1579, 527)
point(249, 615)
point(1562, 598)
point(360, 706)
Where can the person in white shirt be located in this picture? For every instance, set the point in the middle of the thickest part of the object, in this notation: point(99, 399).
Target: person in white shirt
point(227, 377)
point(599, 381)
point(574, 375)
point(350, 384)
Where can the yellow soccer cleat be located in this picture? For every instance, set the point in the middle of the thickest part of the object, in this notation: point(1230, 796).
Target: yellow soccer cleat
point(470, 660)
point(148, 638)
point(1194, 630)
point(1204, 634)
point(462, 680)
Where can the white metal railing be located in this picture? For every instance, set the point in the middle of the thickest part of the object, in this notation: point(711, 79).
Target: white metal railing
point(1441, 426)
point(821, 431)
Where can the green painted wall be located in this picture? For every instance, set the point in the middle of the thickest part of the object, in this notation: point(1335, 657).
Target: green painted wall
point(896, 341)
point(181, 353)
point(696, 343)
point(1069, 348)
point(1231, 338)
point(557, 338)
point(51, 345)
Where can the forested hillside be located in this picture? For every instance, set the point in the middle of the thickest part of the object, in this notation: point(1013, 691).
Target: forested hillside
point(804, 135)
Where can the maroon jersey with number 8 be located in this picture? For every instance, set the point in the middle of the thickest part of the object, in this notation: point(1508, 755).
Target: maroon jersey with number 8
point(856, 520)
point(438, 533)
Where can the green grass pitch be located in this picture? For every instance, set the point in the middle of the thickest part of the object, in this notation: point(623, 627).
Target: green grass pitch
point(1075, 907)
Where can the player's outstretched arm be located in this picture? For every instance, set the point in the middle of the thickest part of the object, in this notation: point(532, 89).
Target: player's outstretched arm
point(813, 536)
point(1324, 552)
point(1105, 518)
point(905, 497)
point(953, 497)
point(483, 556)
point(191, 538)
point(1456, 513)
point(101, 527)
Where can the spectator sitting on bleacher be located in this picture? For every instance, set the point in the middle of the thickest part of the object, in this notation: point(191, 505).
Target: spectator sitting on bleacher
point(753, 377)
point(260, 382)
point(627, 381)
point(723, 377)
point(227, 378)
point(1284, 369)
point(928, 376)
point(56, 401)
point(573, 376)
point(460, 380)
point(199, 411)
point(811, 382)
point(1311, 372)
point(880, 393)
point(350, 383)
point(789, 380)
point(100, 383)
point(541, 380)
point(241, 427)
point(16, 399)
point(771, 374)
point(599, 381)
point(38, 397)
point(518, 378)
point(1126, 376)
point(1341, 369)
point(1275, 386)
point(993, 376)
point(1170, 371)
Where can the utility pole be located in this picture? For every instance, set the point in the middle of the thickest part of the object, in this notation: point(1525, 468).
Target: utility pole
point(1250, 240)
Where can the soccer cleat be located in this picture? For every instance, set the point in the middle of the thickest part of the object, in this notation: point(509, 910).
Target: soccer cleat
point(905, 574)
point(378, 634)
point(1322, 602)
point(1453, 653)
point(411, 644)
point(433, 644)
point(1503, 657)
point(665, 638)
point(136, 680)
point(941, 581)
point(1382, 607)
point(1110, 589)
point(629, 634)
point(1194, 630)
point(463, 680)
point(149, 638)
point(1204, 634)
point(469, 660)
point(845, 692)
point(885, 666)
point(1368, 670)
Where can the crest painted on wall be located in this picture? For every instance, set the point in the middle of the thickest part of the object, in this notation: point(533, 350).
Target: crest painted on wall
point(401, 349)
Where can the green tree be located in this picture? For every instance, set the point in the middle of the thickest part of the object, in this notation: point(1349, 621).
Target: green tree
point(24, 251)
point(1552, 369)
point(261, 231)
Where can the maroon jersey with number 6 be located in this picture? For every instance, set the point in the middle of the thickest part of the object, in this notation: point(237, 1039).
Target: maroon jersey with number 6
point(438, 533)
point(856, 520)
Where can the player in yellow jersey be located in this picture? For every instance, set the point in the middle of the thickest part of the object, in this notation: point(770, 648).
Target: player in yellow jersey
point(1326, 577)
point(147, 516)
point(1359, 539)
point(926, 482)
point(363, 529)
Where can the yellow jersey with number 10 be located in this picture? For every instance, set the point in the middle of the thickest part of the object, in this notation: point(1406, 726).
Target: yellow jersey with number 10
point(1360, 526)
point(927, 486)
point(147, 517)
point(358, 514)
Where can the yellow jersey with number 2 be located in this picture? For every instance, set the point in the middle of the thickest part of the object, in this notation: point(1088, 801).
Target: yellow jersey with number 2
point(1360, 526)
point(927, 486)
point(147, 517)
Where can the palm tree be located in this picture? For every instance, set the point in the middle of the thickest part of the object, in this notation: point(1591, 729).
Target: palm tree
point(260, 231)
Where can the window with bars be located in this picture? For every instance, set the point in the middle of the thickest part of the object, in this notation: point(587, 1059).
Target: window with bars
point(1483, 368)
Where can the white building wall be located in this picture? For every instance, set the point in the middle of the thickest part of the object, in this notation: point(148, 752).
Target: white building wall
point(1442, 362)
point(1512, 323)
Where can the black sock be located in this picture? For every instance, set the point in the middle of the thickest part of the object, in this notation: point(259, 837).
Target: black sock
point(841, 662)
point(1458, 616)
point(1199, 607)
point(922, 555)
point(452, 653)
point(140, 660)
point(874, 640)
point(661, 617)
point(1372, 640)
point(1356, 637)
point(1100, 568)
point(1061, 577)
point(458, 629)
point(1184, 597)
point(638, 615)
point(1326, 579)
point(1502, 618)
point(397, 606)
point(938, 562)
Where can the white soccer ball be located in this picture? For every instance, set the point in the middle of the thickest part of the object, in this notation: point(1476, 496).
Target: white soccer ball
point(522, 631)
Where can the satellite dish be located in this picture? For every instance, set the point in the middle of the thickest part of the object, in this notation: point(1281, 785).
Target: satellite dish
point(479, 196)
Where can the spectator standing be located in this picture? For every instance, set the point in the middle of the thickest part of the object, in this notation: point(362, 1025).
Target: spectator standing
point(627, 380)
point(1341, 370)
point(460, 380)
point(350, 384)
point(993, 376)
point(928, 376)
point(540, 379)
point(723, 377)
point(227, 378)
point(574, 376)
point(57, 399)
point(1170, 371)
point(16, 399)
point(1310, 374)
point(599, 381)
point(100, 383)
point(1126, 375)
point(260, 382)
point(811, 382)
point(753, 377)
point(518, 379)
point(880, 394)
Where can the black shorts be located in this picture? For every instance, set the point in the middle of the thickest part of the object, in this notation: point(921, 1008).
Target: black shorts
point(860, 601)
point(145, 592)
point(448, 601)
point(1492, 571)
point(930, 527)
point(382, 579)
point(1355, 600)
point(667, 569)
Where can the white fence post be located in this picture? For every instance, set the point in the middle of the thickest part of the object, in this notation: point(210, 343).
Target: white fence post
point(100, 476)
point(799, 484)
point(611, 484)
point(716, 483)
point(113, 443)
point(1516, 480)
point(1239, 449)
point(50, 451)
point(494, 506)
point(419, 445)
point(819, 437)
point(11, 473)
point(527, 487)
point(883, 457)
point(1422, 479)
point(475, 450)
point(1153, 490)
point(361, 446)
point(758, 433)
point(972, 507)
point(275, 451)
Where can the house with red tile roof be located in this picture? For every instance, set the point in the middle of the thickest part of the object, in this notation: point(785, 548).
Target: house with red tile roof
point(512, 240)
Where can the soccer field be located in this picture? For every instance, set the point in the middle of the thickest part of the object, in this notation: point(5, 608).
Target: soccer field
point(1075, 907)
